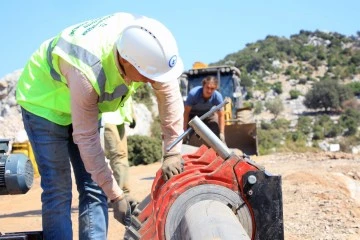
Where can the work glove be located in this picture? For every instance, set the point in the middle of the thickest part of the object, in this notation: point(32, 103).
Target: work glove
point(132, 124)
point(122, 211)
point(222, 137)
point(173, 164)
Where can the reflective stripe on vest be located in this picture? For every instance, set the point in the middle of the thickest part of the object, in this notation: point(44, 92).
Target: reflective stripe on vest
point(55, 75)
point(89, 59)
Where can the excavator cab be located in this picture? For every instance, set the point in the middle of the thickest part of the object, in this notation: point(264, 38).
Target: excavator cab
point(240, 127)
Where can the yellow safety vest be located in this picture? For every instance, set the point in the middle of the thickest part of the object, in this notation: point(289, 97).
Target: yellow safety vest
point(123, 115)
point(127, 111)
point(89, 46)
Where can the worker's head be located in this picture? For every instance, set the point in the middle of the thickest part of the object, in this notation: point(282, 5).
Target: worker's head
point(210, 84)
point(150, 50)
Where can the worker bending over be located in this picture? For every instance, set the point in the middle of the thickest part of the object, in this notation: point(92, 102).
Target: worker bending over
point(90, 68)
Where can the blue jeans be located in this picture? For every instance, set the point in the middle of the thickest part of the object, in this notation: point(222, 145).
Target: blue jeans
point(54, 150)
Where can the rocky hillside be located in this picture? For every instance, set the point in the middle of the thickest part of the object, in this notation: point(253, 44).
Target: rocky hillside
point(310, 76)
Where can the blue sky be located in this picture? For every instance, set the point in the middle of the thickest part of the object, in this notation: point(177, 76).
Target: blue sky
point(206, 31)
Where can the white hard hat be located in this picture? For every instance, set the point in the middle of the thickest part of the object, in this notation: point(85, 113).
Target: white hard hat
point(151, 48)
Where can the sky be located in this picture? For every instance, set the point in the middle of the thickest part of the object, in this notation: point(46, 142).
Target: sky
point(205, 31)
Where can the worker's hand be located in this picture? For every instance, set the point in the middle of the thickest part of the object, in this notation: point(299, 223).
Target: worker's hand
point(222, 137)
point(173, 164)
point(132, 124)
point(122, 211)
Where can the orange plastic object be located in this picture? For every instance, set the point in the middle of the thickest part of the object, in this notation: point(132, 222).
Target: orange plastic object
point(202, 167)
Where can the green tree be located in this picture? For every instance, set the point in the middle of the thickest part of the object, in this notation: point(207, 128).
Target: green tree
point(328, 95)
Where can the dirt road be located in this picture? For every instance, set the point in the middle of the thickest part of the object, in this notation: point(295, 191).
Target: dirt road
point(321, 195)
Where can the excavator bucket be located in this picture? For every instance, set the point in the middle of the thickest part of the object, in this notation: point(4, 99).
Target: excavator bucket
point(243, 137)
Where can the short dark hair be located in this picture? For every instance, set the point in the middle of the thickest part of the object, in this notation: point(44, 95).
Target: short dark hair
point(210, 79)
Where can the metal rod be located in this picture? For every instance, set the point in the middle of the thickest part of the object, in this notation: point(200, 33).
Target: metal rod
point(189, 130)
point(210, 219)
point(209, 137)
point(214, 109)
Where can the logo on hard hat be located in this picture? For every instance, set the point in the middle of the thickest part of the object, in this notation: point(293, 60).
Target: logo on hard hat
point(172, 61)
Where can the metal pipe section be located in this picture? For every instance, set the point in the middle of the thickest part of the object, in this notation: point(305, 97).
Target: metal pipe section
point(210, 219)
point(189, 130)
point(209, 137)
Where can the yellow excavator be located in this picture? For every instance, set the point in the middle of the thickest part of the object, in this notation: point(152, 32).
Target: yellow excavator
point(240, 127)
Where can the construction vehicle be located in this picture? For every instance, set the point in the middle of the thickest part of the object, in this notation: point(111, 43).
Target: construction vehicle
point(219, 195)
point(240, 127)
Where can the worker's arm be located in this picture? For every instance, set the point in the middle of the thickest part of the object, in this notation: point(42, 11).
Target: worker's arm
point(85, 111)
point(187, 110)
point(221, 116)
point(171, 109)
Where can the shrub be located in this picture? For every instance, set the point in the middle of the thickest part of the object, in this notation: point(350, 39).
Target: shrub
point(297, 136)
point(350, 121)
point(268, 139)
point(347, 143)
point(275, 106)
point(332, 130)
point(318, 132)
point(355, 88)
point(144, 149)
point(281, 123)
point(325, 127)
point(246, 80)
point(258, 107)
point(265, 125)
point(290, 70)
point(304, 125)
point(294, 94)
point(277, 87)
